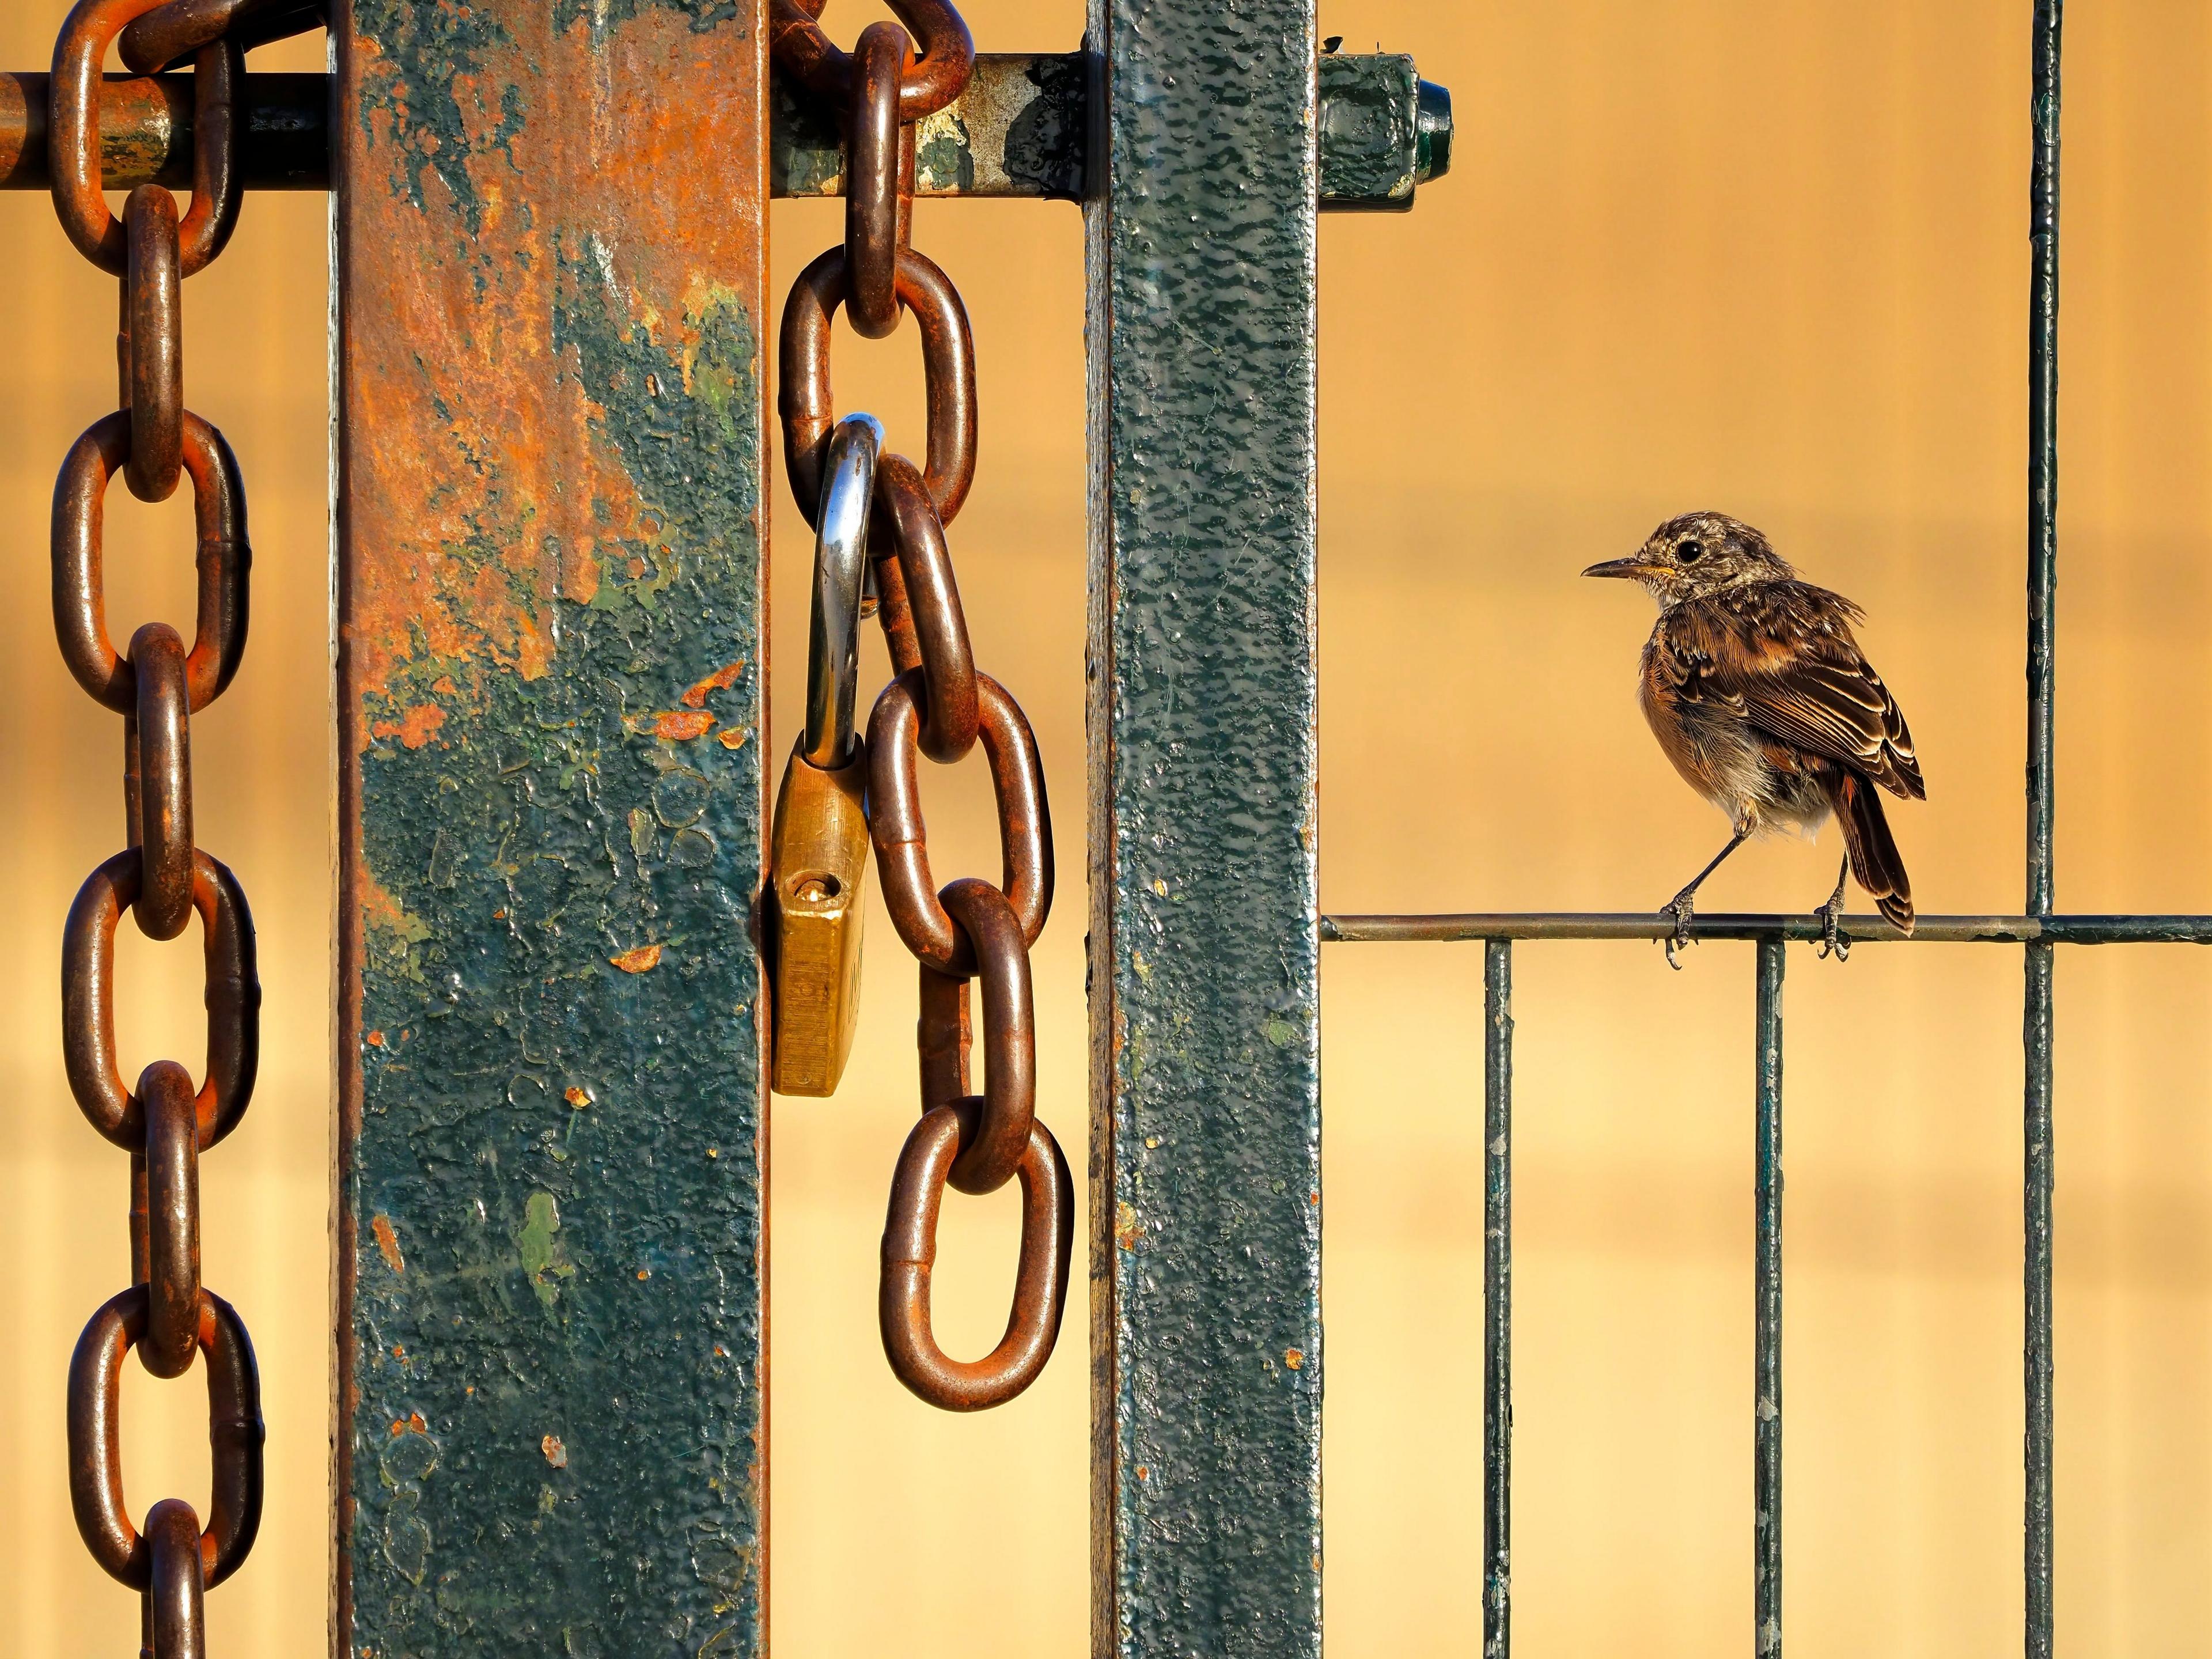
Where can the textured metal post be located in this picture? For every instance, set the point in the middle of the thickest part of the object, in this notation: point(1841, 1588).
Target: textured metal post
point(1206, 1167)
point(1498, 1300)
point(2039, 1156)
point(549, 1434)
point(1766, 1332)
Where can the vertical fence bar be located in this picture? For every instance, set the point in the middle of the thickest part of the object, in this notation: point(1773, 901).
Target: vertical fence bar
point(2042, 464)
point(1205, 1136)
point(2039, 1156)
point(549, 1232)
point(1498, 1300)
point(2039, 1174)
point(1766, 1332)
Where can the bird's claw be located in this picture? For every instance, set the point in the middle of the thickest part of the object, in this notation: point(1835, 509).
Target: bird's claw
point(1679, 910)
point(1832, 942)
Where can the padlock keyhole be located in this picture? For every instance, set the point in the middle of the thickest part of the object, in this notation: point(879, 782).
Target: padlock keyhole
point(816, 889)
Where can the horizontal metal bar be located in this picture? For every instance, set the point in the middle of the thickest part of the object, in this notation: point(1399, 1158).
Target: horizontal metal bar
point(1858, 930)
point(146, 132)
point(1020, 129)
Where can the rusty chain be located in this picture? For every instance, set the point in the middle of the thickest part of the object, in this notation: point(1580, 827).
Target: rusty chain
point(169, 1316)
point(939, 705)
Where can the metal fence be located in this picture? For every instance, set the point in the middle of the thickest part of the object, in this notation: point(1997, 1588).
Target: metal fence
point(2040, 930)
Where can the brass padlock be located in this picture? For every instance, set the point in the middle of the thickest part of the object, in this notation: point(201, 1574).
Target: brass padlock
point(819, 843)
point(819, 848)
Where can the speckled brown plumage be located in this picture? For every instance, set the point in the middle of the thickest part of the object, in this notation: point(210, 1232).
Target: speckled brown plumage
point(1759, 695)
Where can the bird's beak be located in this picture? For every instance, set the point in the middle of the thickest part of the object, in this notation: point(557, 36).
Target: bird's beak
point(1632, 569)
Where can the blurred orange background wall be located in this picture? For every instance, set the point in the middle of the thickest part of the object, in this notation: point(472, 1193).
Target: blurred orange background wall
point(1764, 255)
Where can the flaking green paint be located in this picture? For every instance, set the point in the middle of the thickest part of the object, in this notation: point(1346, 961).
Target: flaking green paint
point(427, 48)
point(578, 1328)
point(539, 1248)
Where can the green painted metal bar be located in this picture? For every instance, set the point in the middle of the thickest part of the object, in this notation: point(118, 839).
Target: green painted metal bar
point(1205, 1135)
point(1019, 130)
point(1767, 1319)
point(2039, 931)
point(549, 1431)
point(1497, 1301)
point(2039, 1152)
point(1022, 129)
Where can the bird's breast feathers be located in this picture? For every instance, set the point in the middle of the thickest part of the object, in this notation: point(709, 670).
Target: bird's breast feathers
point(1778, 661)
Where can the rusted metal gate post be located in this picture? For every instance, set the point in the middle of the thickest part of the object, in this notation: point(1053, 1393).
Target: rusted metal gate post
point(549, 236)
point(1205, 1133)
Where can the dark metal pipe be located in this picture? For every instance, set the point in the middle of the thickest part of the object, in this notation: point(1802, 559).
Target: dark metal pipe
point(1497, 1300)
point(2039, 931)
point(1767, 1338)
point(146, 132)
point(2039, 1156)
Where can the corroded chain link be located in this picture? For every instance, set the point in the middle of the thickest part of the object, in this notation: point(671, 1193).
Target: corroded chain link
point(939, 706)
point(161, 877)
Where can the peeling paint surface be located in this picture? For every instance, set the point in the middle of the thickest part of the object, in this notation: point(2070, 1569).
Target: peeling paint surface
point(552, 391)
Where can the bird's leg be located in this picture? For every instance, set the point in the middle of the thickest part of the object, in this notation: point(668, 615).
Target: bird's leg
point(1831, 917)
point(1682, 907)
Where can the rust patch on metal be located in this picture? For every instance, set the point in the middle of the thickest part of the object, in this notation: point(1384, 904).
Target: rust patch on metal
point(439, 450)
point(1127, 1229)
point(673, 725)
point(643, 960)
point(417, 727)
point(387, 1241)
point(720, 680)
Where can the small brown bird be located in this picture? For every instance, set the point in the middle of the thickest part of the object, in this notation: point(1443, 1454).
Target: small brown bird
point(1756, 690)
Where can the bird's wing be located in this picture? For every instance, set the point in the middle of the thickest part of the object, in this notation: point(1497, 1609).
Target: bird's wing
point(1783, 653)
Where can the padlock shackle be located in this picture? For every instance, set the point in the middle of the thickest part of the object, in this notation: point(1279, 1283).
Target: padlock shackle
point(841, 565)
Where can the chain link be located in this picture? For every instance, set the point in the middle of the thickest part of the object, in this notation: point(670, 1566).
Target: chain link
point(149, 348)
point(938, 77)
point(879, 163)
point(168, 1315)
point(922, 620)
point(180, 28)
point(809, 406)
point(939, 706)
point(901, 839)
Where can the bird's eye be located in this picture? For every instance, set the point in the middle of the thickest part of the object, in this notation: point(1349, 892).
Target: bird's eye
point(1689, 552)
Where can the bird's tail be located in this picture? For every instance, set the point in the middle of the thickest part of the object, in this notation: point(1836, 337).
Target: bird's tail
point(1876, 862)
